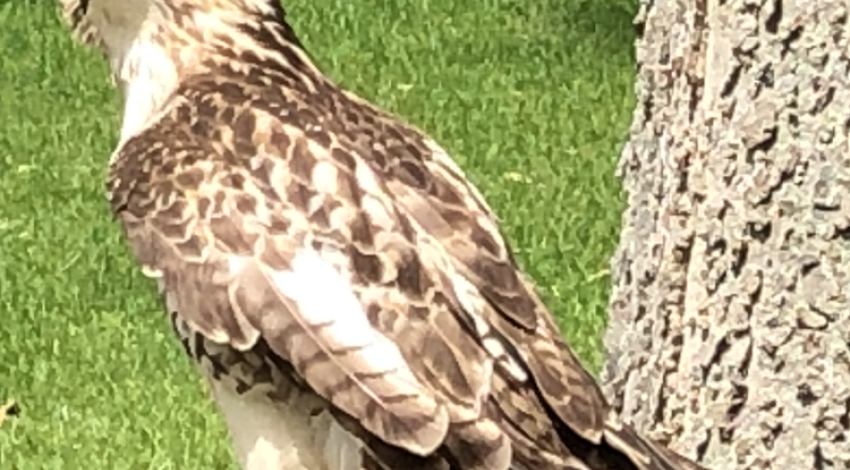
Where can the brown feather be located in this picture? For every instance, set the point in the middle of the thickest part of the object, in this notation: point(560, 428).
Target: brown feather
point(247, 168)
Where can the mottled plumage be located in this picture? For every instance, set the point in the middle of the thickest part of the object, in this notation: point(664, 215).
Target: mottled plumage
point(333, 273)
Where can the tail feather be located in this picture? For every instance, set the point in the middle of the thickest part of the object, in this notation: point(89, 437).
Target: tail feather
point(643, 453)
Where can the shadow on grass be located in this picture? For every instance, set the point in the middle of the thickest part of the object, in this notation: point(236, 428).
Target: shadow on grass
point(605, 25)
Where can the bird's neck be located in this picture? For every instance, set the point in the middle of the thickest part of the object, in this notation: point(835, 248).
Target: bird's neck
point(147, 73)
point(152, 47)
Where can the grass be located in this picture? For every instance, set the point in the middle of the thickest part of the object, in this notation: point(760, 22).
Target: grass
point(532, 97)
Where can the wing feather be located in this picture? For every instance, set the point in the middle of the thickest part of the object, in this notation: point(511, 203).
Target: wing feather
point(482, 255)
point(308, 315)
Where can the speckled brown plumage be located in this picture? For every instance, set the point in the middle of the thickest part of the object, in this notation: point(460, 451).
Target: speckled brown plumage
point(254, 158)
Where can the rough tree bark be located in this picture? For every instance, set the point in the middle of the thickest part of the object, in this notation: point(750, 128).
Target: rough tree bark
point(729, 335)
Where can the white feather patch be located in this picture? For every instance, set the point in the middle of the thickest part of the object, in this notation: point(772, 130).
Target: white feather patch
point(326, 302)
point(270, 435)
point(335, 320)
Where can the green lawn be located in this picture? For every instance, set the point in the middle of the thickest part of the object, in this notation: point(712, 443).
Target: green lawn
point(532, 97)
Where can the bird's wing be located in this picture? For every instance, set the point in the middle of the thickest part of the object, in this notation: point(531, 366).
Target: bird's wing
point(386, 284)
point(294, 240)
point(427, 185)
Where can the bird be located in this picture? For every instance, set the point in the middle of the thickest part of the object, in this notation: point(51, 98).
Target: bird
point(344, 289)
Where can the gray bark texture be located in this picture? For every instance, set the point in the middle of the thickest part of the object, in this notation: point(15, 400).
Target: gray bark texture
point(729, 335)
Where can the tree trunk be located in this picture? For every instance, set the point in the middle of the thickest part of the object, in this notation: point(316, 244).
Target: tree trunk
point(729, 335)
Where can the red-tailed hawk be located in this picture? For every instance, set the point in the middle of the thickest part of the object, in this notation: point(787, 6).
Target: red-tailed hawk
point(341, 284)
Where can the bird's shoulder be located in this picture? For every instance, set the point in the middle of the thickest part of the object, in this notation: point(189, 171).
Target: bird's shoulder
point(220, 139)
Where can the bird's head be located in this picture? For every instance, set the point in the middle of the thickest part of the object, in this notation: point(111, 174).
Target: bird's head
point(110, 24)
point(151, 45)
